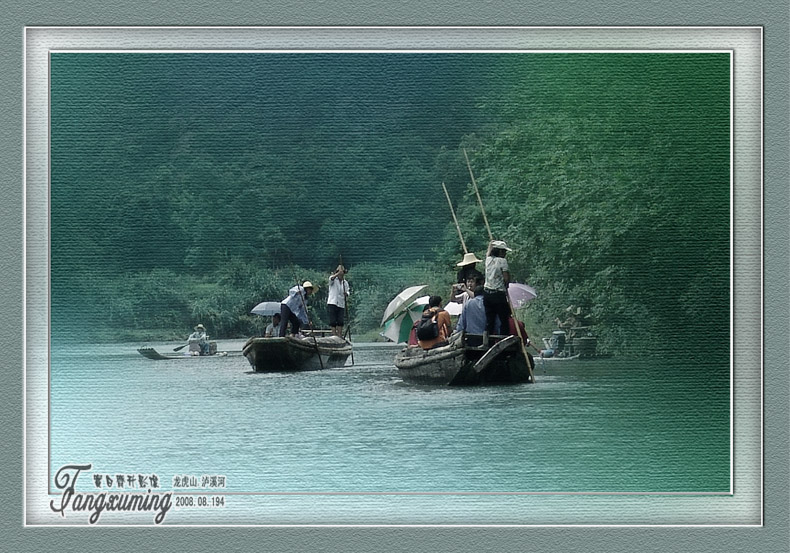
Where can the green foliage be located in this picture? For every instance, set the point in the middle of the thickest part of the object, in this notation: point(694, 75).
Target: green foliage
point(603, 216)
point(186, 190)
point(374, 285)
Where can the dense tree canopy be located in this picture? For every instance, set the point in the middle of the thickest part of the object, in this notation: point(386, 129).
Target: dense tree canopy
point(192, 186)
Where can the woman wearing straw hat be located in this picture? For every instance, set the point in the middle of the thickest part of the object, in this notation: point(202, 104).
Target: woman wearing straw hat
point(468, 278)
point(293, 309)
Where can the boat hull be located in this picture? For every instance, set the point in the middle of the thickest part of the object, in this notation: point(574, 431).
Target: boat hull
point(458, 364)
point(291, 354)
point(151, 353)
point(559, 359)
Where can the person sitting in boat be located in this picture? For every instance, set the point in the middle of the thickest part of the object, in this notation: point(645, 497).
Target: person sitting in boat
point(336, 300)
point(467, 279)
point(473, 316)
point(465, 292)
point(273, 328)
point(497, 280)
point(435, 314)
point(512, 330)
point(571, 321)
point(293, 309)
point(198, 341)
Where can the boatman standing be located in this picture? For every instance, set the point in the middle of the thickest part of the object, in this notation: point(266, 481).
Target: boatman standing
point(293, 309)
point(336, 300)
point(497, 280)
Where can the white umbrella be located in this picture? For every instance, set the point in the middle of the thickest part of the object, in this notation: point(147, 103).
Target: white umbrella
point(266, 308)
point(402, 301)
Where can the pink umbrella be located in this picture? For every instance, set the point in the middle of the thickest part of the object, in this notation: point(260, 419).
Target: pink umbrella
point(520, 294)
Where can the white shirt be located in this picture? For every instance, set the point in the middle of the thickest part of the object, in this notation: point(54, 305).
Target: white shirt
point(338, 290)
point(296, 302)
point(495, 266)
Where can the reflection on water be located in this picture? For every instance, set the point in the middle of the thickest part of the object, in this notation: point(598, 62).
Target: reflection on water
point(603, 425)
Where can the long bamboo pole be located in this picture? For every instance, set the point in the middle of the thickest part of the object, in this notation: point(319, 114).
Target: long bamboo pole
point(457, 226)
point(509, 303)
point(477, 193)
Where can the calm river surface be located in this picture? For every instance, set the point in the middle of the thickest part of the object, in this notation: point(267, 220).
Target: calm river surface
point(604, 425)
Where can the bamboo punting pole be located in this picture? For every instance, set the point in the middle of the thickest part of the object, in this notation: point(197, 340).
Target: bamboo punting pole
point(457, 226)
point(509, 303)
point(477, 193)
point(309, 321)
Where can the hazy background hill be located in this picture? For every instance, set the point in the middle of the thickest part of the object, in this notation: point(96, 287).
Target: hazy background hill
point(185, 188)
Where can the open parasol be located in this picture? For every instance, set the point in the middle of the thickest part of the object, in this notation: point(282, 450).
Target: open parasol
point(520, 294)
point(402, 301)
point(266, 308)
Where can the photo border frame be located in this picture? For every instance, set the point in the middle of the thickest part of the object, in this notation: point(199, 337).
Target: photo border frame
point(440, 539)
point(741, 507)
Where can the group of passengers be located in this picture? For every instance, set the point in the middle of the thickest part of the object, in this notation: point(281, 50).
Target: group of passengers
point(486, 309)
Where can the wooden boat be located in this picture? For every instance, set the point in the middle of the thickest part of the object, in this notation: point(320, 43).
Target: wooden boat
point(296, 354)
point(583, 344)
point(466, 361)
point(151, 353)
point(558, 359)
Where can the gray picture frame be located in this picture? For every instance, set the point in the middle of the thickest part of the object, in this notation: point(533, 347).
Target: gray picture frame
point(439, 539)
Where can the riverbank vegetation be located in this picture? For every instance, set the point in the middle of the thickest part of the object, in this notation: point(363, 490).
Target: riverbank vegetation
point(187, 189)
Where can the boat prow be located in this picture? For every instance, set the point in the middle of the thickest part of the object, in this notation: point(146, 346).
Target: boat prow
point(465, 361)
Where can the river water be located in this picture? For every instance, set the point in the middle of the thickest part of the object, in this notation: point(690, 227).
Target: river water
point(602, 425)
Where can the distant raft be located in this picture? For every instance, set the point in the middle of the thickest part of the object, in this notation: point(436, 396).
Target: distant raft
point(292, 354)
point(466, 361)
point(151, 353)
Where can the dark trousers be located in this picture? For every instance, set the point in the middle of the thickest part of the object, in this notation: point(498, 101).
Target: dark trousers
point(336, 314)
point(287, 316)
point(496, 306)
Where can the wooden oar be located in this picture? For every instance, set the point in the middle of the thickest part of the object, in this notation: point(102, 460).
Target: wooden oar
point(179, 348)
point(509, 303)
